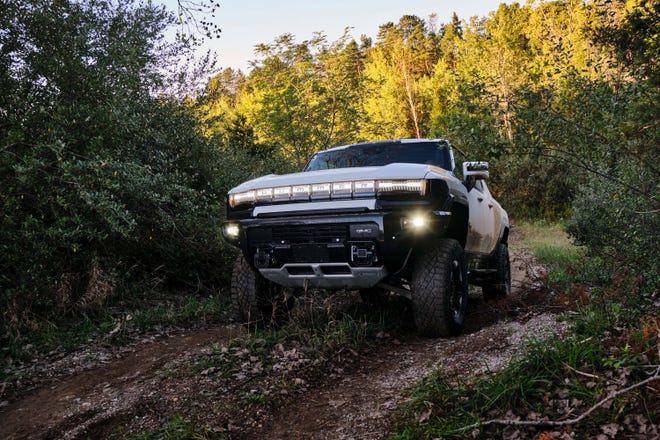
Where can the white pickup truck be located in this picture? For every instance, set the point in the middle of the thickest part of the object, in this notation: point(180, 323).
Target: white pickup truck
point(378, 217)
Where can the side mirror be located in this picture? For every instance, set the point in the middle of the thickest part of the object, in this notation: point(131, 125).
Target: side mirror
point(477, 169)
point(473, 171)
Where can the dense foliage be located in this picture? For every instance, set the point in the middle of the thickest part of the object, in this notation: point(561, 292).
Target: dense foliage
point(104, 180)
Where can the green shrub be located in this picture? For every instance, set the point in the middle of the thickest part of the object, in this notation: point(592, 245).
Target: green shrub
point(102, 183)
point(621, 224)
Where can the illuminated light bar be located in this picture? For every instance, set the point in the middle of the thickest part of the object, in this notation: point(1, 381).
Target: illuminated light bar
point(281, 193)
point(347, 189)
point(321, 190)
point(388, 186)
point(241, 198)
point(364, 188)
point(264, 194)
point(300, 192)
point(342, 189)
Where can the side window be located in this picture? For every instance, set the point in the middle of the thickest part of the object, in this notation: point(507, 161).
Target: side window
point(479, 186)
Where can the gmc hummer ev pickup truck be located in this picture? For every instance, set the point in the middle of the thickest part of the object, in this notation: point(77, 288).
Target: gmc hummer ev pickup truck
point(386, 217)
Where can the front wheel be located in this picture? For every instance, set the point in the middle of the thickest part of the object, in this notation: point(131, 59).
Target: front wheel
point(256, 300)
point(440, 290)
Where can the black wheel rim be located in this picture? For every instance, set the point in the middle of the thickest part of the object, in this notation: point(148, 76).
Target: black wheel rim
point(457, 297)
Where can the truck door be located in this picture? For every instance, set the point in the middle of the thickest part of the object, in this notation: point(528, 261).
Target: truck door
point(483, 229)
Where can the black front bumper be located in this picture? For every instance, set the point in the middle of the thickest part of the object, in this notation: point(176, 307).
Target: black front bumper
point(335, 251)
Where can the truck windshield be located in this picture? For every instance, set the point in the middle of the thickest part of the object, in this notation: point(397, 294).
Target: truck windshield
point(382, 153)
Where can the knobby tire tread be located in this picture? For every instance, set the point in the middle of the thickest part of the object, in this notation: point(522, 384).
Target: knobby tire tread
point(244, 292)
point(431, 275)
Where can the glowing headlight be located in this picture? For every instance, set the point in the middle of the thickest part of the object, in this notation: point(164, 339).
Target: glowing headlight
point(231, 230)
point(414, 222)
point(418, 222)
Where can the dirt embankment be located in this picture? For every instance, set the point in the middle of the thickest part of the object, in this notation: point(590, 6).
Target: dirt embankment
point(141, 387)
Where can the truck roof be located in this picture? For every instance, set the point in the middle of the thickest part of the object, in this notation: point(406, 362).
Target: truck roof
point(388, 142)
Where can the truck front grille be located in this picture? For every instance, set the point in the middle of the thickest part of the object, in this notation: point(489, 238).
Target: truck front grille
point(309, 234)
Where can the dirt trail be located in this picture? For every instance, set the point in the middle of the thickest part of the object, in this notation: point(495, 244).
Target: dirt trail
point(66, 407)
point(355, 403)
point(359, 405)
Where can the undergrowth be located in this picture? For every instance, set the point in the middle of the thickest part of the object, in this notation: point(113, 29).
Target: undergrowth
point(117, 323)
point(179, 429)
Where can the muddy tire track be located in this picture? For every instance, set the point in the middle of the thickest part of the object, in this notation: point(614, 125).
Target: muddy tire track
point(360, 405)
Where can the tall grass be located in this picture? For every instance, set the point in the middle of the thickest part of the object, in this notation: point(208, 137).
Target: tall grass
point(566, 263)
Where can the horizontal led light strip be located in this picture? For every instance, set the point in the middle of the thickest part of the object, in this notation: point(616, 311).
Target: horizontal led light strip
point(335, 190)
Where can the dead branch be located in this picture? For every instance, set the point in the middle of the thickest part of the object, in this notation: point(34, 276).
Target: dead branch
point(582, 373)
point(655, 211)
point(568, 422)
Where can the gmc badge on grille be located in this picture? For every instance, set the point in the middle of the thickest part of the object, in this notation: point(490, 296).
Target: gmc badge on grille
point(364, 231)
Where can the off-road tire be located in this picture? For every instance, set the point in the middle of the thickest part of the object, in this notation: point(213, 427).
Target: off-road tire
point(440, 290)
point(500, 287)
point(255, 300)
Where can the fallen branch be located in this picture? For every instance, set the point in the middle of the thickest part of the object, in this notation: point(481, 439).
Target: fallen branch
point(610, 396)
point(582, 373)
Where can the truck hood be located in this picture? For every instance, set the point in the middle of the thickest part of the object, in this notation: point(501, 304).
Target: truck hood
point(391, 171)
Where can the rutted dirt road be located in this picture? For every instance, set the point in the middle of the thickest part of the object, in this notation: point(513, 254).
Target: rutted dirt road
point(141, 387)
point(357, 406)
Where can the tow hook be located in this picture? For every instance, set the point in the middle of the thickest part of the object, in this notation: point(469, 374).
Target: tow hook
point(363, 254)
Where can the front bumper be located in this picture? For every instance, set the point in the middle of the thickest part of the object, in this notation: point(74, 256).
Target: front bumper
point(334, 251)
point(325, 275)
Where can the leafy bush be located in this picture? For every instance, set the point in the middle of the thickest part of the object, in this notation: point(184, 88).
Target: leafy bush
point(621, 225)
point(101, 181)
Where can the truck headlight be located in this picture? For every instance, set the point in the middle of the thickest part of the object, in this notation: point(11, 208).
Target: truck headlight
point(418, 222)
point(415, 222)
point(231, 231)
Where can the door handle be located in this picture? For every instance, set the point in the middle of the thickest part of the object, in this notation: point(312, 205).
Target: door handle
point(490, 205)
point(481, 199)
